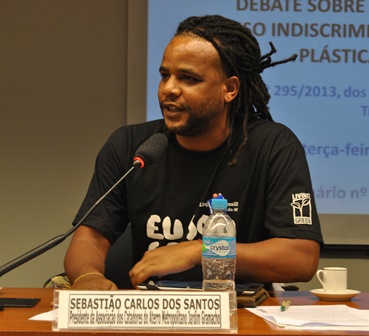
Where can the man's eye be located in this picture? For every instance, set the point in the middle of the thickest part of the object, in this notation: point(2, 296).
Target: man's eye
point(164, 76)
point(190, 79)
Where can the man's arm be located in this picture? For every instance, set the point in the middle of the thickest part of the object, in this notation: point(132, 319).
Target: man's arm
point(278, 260)
point(272, 260)
point(84, 261)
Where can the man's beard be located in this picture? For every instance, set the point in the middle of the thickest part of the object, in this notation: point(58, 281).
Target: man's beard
point(196, 124)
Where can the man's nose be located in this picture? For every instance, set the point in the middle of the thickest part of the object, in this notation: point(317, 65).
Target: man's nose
point(171, 87)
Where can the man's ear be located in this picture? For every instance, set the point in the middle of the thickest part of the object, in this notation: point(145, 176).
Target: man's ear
point(232, 86)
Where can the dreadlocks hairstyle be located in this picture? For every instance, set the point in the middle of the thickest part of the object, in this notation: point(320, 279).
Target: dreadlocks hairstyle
point(240, 55)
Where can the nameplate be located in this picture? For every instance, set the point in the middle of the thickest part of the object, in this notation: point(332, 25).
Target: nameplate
point(135, 309)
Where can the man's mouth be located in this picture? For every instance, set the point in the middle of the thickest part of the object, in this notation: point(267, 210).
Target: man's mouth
point(174, 109)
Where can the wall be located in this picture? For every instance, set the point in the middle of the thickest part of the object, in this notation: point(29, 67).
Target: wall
point(62, 92)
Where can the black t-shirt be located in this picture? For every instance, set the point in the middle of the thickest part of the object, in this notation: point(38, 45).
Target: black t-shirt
point(269, 190)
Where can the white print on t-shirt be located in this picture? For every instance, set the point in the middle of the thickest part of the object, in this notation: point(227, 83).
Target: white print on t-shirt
point(166, 229)
point(301, 207)
point(169, 230)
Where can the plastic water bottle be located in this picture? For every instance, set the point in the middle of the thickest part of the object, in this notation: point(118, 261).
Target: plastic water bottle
point(219, 253)
point(219, 248)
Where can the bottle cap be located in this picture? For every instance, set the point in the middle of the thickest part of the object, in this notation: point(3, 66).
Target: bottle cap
point(219, 203)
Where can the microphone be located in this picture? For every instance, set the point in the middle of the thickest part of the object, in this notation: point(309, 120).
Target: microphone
point(151, 150)
point(148, 153)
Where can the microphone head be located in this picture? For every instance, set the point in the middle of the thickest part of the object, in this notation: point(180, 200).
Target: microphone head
point(151, 150)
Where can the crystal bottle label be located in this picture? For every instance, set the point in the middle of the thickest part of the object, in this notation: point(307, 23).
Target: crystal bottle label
point(219, 247)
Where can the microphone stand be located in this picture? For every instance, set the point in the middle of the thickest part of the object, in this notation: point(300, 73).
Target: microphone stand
point(149, 151)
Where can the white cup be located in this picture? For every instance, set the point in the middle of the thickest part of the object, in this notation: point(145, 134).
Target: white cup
point(333, 279)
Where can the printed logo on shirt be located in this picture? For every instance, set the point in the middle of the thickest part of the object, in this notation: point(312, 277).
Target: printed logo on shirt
point(231, 206)
point(301, 207)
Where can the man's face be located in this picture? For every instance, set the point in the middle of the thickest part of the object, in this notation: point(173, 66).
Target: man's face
point(192, 88)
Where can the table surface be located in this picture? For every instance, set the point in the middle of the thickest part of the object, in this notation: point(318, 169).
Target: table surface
point(16, 320)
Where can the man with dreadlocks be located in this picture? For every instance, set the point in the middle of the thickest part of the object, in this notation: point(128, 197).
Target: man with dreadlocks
point(222, 139)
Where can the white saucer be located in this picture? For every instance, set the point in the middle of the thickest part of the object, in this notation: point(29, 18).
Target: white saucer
point(346, 296)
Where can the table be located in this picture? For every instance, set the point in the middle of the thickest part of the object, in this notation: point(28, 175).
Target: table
point(15, 321)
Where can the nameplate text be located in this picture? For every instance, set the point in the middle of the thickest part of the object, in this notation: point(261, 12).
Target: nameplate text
point(139, 309)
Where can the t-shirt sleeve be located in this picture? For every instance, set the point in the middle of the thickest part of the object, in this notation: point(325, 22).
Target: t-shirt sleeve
point(291, 211)
point(110, 216)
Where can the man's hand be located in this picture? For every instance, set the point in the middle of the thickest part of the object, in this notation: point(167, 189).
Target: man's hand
point(166, 260)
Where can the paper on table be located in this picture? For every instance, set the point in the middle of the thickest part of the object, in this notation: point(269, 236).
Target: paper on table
point(48, 316)
point(326, 316)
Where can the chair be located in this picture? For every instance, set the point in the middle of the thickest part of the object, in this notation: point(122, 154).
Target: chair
point(119, 260)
